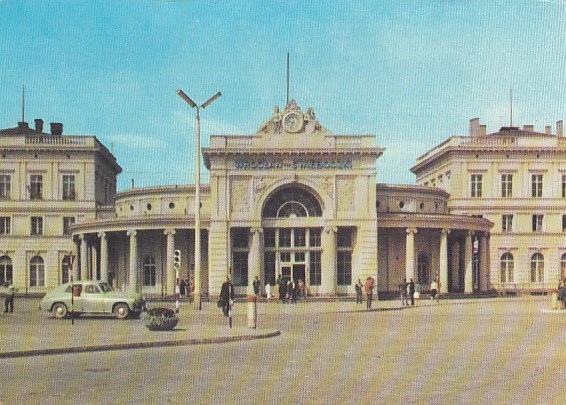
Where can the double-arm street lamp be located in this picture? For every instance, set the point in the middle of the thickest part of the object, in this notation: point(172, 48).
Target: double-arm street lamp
point(190, 102)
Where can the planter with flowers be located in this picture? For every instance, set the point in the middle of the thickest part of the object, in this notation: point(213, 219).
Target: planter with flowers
point(160, 319)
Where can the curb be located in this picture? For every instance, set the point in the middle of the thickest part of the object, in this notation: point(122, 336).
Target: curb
point(137, 345)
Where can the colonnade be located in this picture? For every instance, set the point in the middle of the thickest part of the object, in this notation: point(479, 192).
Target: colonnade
point(89, 260)
point(483, 281)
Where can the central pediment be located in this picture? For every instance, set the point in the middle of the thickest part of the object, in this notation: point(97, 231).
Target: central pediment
point(291, 121)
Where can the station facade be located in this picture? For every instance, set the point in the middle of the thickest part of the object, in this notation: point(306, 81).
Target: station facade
point(294, 200)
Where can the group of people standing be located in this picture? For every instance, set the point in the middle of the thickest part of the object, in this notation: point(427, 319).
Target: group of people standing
point(286, 290)
point(411, 291)
point(366, 287)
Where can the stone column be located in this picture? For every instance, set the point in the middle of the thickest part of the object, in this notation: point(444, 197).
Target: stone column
point(410, 254)
point(328, 276)
point(468, 259)
point(254, 258)
point(103, 256)
point(76, 266)
point(84, 258)
point(443, 276)
point(133, 286)
point(484, 282)
point(170, 270)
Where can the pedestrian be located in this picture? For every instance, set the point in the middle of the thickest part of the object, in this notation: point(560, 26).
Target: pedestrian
point(293, 291)
point(403, 292)
point(359, 291)
point(257, 285)
point(411, 292)
point(268, 291)
point(227, 296)
point(283, 290)
point(433, 289)
point(417, 292)
point(368, 287)
point(10, 294)
point(276, 292)
point(182, 287)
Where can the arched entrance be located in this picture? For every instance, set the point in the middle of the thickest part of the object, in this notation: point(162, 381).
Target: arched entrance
point(292, 234)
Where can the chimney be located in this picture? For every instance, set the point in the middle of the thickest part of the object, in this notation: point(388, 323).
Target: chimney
point(56, 128)
point(548, 130)
point(483, 130)
point(474, 126)
point(22, 124)
point(528, 128)
point(559, 128)
point(39, 125)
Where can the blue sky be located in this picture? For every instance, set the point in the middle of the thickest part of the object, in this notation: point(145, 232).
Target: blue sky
point(412, 73)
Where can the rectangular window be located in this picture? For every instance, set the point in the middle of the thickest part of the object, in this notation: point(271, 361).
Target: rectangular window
point(537, 223)
point(285, 238)
point(536, 185)
point(314, 237)
point(240, 249)
point(315, 269)
point(269, 265)
point(240, 238)
point(344, 248)
point(300, 237)
point(36, 226)
point(68, 187)
point(269, 237)
point(5, 187)
point(5, 225)
point(476, 181)
point(36, 187)
point(564, 224)
point(240, 269)
point(507, 223)
point(344, 265)
point(564, 186)
point(67, 222)
point(506, 185)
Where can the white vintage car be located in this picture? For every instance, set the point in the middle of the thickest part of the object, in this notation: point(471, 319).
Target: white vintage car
point(93, 297)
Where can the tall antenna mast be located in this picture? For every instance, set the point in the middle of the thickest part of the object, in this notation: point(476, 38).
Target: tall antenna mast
point(287, 78)
point(511, 113)
point(23, 105)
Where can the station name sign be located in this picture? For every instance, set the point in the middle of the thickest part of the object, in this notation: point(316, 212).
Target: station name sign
point(292, 164)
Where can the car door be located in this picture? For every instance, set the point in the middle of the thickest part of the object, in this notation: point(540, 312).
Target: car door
point(91, 298)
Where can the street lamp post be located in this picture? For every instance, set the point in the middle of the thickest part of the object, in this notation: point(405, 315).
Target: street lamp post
point(190, 102)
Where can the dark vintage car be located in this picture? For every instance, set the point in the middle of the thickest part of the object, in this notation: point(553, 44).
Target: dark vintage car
point(93, 297)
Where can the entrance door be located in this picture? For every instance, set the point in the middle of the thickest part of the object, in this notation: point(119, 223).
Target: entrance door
point(299, 272)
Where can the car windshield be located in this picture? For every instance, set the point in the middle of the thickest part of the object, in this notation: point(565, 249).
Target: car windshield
point(105, 287)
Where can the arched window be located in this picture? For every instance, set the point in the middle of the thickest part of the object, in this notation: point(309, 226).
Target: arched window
point(65, 269)
point(149, 270)
point(422, 269)
point(507, 267)
point(36, 272)
point(537, 268)
point(5, 269)
point(292, 202)
point(563, 266)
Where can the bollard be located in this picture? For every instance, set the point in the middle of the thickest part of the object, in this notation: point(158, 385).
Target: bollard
point(252, 311)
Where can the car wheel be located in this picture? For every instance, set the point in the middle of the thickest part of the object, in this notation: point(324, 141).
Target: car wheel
point(59, 310)
point(121, 311)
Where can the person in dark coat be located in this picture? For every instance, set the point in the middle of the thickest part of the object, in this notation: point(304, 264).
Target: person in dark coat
point(182, 287)
point(283, 290)
point(411, 292)
point(227, 296)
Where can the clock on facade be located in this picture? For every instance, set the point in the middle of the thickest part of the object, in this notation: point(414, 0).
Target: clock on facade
point(293, 122)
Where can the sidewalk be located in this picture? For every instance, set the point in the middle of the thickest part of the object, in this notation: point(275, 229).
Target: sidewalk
point(30, 332)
